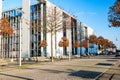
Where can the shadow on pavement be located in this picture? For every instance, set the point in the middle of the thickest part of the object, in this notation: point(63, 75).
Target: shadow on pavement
point(112, 60)
point(15, 76)
point(104, 64)
point(82, 73)
point(85, 74)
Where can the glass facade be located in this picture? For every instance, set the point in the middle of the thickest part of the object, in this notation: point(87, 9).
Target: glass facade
point(35, 11)
point(11, 42)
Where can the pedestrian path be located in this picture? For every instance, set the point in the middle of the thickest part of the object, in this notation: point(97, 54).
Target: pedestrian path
point(112, 74)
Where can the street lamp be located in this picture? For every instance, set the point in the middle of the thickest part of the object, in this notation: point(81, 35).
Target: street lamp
point(21, 24)
point(80, 38)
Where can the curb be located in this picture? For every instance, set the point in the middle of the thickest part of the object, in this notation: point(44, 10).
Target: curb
point(97, 78)
point(99, 75)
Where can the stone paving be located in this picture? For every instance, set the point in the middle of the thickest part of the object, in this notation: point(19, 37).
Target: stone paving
point(111, 74)
point(77, 69)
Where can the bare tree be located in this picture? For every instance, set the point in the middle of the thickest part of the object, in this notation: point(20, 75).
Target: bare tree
point(54, 23)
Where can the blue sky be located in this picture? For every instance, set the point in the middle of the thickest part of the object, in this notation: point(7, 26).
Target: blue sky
point(91, 12)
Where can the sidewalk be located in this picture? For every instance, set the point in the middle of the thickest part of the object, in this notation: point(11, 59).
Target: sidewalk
point(112, 74)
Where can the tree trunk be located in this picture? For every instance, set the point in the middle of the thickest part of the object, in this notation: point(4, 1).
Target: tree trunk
point(51, 47)
point(2, 48)
point(80, 51)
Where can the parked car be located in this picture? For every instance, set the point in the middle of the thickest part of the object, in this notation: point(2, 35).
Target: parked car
point(117, 53)
point(110, 52)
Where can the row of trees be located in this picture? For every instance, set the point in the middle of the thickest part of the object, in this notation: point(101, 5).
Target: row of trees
point(93, 39)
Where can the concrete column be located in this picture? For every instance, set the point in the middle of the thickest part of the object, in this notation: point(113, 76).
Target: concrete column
point(42, 50)
point(25, 29)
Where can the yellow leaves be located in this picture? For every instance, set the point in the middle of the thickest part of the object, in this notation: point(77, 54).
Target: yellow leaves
point(60, 44)
point(85, 43)
point(113, 14)
point(64, 42)
point(92, 39)
point(5, 28)
point(115, 23)
point(118, 11)
point(43, 43)
point(76, 44)
point(117, 5)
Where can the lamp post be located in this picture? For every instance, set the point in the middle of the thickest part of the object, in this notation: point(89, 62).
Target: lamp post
point(21, 24)
point(80, 38)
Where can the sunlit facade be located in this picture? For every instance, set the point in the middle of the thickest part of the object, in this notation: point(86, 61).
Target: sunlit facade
point(32, 35)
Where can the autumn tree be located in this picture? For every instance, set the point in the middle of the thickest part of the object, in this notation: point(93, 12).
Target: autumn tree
point(114, 14)
point(54, 22)
point(92, 40)
point(5, 30)
point(111, 45)
point(100, 42)
point(64, 42)
point(76, 44)
point(43, 43)
point(85, 44)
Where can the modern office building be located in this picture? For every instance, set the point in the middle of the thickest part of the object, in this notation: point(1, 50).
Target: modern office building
point(34, 23)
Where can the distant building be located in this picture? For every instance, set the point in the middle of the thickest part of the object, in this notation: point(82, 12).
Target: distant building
point(30, 18)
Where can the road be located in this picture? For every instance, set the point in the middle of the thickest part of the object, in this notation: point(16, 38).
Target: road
point(76, 69)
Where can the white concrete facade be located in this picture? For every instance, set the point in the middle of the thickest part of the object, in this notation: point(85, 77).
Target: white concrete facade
point(90, 31)
point(25, 29)
point(45, 11)
point(59, 34)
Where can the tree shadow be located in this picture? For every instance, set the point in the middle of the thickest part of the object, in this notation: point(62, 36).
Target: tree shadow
point(71, 72)
point(16, 76)
point(115, 58)
point(85, 74)
point(53, 71)
point(112, 60)
point(49, 70)
point(104, 64)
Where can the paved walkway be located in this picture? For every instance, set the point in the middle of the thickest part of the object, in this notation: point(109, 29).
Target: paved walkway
point(111, 74)
point(77, 69)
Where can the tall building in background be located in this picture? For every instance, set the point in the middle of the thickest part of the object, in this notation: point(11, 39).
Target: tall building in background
point(34, 28)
